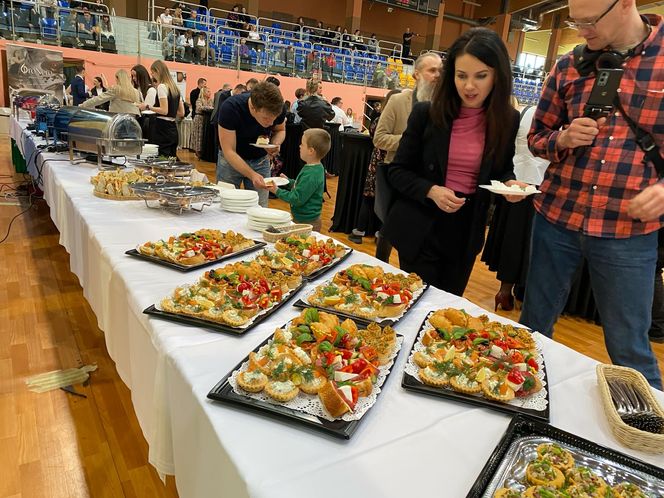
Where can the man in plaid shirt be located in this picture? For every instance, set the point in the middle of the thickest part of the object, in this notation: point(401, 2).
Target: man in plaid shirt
point(605, 203)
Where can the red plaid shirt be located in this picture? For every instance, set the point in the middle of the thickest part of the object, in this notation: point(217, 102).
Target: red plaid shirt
point(591, 193)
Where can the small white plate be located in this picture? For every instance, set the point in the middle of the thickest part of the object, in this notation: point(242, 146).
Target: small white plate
point(502, 190)
point(265, 146)
point(276, 180)
point(148, 113)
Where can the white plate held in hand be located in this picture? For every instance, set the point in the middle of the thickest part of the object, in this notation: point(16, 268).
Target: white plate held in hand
point(276, 180)
point(265, 146)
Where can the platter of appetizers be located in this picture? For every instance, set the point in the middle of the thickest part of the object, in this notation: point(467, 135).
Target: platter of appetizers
point(474, 360)
point(367, 293)
point(308, 256)
point(318, 371)
point(190, 251)
point(233, 298)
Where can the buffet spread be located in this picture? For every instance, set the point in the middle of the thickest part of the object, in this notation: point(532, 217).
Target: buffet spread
point(324, 368)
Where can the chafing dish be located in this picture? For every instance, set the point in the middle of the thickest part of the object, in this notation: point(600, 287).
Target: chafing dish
point(61, 121)
point(169, 168)
point(104, 134)
point(174, 196)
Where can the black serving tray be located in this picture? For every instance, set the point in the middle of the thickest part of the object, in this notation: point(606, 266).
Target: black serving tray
point(184, 268)
point(523, 426)
point(410, 383)
point(214, 326)
point(323, 270)
point(387, 322)
point(339, 429)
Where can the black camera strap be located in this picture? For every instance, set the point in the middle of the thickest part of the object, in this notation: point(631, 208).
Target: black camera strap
point(645, 141)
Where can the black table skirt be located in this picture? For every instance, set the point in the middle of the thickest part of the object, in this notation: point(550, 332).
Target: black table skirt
point(209, 139)
point(355, 155)
point(332, 161)
point(290, 151)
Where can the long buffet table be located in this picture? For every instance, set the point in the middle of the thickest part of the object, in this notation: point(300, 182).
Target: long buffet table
point(406, 445)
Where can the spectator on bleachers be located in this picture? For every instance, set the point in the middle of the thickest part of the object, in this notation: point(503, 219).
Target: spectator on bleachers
point(317, 33)
point(300, 93)
point(122, 97)
point(379, 80)
point(245, 20)
point(346, 39)
point(70, 26)
point(202, 49)
point(177, 20)
point(99, 7)
point(47, 8)
point(86, 26)
point(407, 40)
point(233, 20)
point(313, 62)
point(314, 110)
point(106, 29)
point(358, 41)
point(141, 80)
point(336, 39)
point(165, 18)
point(329, 62)
point(26, 21)
point(252, 34)
point(171, 47)
point(184, 9)
point(245, 54)
point(186, 40)
point(372, 43)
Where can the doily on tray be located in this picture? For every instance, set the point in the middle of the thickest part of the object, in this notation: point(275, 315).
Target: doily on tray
point(537, 401)
point(310, 403)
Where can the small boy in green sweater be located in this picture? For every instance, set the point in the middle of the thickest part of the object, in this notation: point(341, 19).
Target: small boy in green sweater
point(305, 194)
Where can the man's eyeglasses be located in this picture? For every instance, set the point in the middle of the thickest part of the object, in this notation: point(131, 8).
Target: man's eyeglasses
point(590, 24)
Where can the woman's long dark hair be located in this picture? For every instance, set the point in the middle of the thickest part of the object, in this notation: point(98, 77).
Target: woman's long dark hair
point(486, 46)
point(143, 81)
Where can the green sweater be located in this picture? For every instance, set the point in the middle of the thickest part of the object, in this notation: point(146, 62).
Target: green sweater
point(306, 193)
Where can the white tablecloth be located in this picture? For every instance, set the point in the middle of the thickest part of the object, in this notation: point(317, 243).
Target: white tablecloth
point(407, 444)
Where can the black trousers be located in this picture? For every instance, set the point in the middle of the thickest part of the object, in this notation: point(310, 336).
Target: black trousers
point(165, 135)
point(444, 261)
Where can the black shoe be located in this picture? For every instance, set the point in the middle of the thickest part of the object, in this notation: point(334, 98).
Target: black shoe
point(656, 335)
point(355, 238)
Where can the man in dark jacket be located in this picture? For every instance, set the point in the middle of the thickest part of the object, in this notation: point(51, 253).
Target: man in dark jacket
point(77, 87)
point(314, 111)
point(195, 93)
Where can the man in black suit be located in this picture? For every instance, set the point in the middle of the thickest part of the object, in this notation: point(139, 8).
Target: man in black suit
point(77, 87)
point(194, 94)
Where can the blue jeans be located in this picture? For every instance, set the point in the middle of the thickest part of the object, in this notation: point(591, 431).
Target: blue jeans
point(622, 274)
point(226, 173)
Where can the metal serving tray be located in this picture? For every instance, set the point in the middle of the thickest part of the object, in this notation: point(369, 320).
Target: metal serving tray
point(506, 467)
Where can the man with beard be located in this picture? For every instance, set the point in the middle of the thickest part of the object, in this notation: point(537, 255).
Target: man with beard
point(394, 119)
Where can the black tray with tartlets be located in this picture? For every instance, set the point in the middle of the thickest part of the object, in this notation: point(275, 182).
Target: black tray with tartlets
point(339, 428)
point(152, 310)
point(385, 322)
point(523, 426)
point(324, 269)
point(134, 253)
point(411, 383)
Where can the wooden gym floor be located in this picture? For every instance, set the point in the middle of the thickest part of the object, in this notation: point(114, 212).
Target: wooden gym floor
point(59, 445)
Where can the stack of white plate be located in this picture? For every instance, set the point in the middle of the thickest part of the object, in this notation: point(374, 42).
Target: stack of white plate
point(149, 150)
point(237, 200)
point(260, 218)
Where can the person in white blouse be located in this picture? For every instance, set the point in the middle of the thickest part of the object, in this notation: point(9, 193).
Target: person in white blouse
point(187, 41)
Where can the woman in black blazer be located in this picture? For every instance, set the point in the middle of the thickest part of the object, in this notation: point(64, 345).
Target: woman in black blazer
point(463, 138)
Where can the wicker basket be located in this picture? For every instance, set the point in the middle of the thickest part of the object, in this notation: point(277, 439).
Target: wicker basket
point(627, 435)
point(302, 229)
